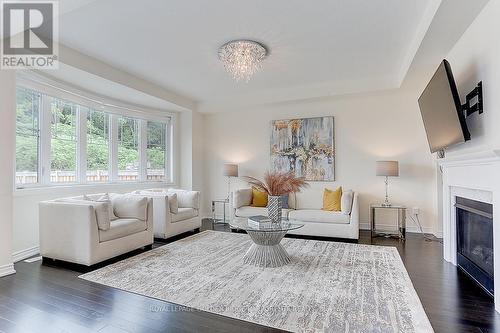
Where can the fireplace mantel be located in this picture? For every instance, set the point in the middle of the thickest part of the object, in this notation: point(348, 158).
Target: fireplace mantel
point(475, 176)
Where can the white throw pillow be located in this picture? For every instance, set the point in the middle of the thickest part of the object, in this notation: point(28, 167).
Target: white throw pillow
point(102, 215)
point(346, 202)
point(187, 199)
point(106, 199)
point(130, 206)
point(173, 203)
point(242, 197)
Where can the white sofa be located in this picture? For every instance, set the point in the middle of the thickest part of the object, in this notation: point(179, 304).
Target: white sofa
point(70, 230)
point(169, 221)
point(305, 208)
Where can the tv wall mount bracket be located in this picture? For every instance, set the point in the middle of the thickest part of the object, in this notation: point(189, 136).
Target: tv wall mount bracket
point(476, 95)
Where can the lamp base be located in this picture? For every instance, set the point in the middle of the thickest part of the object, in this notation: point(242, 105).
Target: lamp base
point(386, 204)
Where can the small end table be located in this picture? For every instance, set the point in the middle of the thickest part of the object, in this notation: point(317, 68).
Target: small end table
point(400, 214)
point(223, 202)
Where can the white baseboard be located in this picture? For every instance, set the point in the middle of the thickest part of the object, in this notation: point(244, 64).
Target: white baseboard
point(409, 228)
point(26, 253)
point(7, 270)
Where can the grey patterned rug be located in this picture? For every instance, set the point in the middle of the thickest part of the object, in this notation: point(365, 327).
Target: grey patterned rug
point(328, 287)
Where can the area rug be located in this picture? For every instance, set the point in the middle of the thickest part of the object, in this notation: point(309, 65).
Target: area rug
point(328, 286)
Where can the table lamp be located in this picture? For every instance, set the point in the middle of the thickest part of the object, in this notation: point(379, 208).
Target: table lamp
point(387, 169)
point(229, 170)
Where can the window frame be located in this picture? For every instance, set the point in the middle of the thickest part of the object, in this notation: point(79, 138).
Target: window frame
point(114, 110)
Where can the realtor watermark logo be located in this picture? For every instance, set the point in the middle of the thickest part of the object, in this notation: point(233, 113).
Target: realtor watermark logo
point(30, 33)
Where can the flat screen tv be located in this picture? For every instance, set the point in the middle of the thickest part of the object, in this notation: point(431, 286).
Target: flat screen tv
point(441, 111)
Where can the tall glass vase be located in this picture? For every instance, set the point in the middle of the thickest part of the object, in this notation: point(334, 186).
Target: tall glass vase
point(274, 206)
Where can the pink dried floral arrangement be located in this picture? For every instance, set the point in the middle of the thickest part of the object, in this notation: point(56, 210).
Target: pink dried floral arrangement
point(278, 183)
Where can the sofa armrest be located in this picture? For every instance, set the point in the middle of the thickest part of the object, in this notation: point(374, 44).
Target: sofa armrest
point(68, 231)
point(242, 197)
point(354, 219)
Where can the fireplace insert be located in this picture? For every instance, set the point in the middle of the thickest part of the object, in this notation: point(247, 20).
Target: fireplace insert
point(475, 241)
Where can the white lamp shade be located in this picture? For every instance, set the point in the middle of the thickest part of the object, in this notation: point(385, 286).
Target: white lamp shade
point(230, 170)
point(388, 168)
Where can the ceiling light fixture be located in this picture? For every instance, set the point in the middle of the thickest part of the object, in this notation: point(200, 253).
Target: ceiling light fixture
point(242, 58)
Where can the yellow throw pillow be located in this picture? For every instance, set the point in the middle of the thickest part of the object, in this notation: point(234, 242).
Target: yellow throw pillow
point(259, 198)
point(331, 199)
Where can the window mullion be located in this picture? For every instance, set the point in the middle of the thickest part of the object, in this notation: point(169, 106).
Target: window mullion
point(143, 144)
point(168, 153)
point(45, 136)
point(169, 165)
point(113, 148)
point(81, 152)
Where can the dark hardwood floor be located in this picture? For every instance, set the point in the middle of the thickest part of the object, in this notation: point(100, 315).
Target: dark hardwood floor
point(44, 298)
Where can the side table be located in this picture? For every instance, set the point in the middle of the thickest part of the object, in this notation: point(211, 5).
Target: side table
point(224, 203)
point(397, 212)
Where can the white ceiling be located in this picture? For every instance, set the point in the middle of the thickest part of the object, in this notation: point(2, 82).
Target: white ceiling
point(318, 48)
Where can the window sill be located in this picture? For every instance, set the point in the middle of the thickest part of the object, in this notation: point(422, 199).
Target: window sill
point(70, 188)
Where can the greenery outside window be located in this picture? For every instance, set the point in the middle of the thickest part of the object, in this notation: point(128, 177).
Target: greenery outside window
point(60, 140)
point(27, 137)
point(97, 146)
point(156, 150)
point(63, 145)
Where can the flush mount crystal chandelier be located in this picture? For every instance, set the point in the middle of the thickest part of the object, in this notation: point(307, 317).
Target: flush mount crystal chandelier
point(242, 58)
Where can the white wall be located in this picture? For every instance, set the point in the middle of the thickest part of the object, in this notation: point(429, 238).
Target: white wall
point(368, 128)
point(476, 57)
point(7, 125)
point(191, 151)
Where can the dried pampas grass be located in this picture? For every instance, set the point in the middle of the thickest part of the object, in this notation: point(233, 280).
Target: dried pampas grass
point(278, 183)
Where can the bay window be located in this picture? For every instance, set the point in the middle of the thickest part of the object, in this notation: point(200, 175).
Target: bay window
point(65, 141)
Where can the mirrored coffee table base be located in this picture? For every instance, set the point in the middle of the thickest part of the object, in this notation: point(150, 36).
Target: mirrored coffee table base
point(266, 250)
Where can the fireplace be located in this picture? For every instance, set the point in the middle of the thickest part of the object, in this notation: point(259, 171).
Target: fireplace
point(475, 241)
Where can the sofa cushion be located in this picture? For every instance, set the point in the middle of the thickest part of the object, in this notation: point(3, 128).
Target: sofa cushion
point(184, 214)
point(242, 197)
point(121, 228)
point(102, 214)
point(346, 202)
point(284, 201)
point(173, 203)
point(247, 211)
point(187, 199)
point(259, 198)
point(309, 199)
point(320, 216)
point(102, 198)
point(130, 206)
point(332, 199)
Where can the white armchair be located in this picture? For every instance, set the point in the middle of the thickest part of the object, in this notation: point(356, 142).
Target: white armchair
point(70, 230)
point(174, 211)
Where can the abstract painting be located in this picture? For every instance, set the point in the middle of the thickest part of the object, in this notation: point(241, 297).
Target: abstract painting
point(305, 146)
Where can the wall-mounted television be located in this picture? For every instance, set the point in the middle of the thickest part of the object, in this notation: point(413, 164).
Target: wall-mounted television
point(441, 111)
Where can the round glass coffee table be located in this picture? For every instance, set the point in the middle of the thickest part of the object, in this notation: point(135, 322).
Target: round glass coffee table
point(266, 250)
